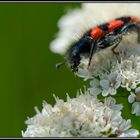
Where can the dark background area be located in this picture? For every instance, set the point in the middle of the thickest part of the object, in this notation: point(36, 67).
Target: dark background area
point(27, 73)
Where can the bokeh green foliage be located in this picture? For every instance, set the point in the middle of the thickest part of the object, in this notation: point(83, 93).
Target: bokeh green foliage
point(28, 74)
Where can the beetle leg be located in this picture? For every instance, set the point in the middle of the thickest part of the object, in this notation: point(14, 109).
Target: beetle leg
point(106, 41)
point(113, 49)
point(92, 50)
point(131, 27)
point(110, 41)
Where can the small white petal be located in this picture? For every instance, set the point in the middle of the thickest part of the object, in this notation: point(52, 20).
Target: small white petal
point(112, 91)
point(128, 89)
point(95, 90)
point(104, 83)
point(117, 85)
point(94, 83)
point(131, 98)
point(125, 125)
point(137, 89)
point(136, 108)
point(105, 92)
point(133, 86)
point(83, 73)
point(130, 133)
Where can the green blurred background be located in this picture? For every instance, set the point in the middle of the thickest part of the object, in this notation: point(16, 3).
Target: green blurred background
point(28, 74)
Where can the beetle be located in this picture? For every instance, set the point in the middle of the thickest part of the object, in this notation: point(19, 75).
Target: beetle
point(100, 37)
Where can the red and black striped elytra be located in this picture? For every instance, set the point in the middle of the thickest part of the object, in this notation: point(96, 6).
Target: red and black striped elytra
point(100, 37)
point(99, 31)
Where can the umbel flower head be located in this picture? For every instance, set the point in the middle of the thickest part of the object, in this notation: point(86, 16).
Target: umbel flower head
point(112, 73)
point(83, 116)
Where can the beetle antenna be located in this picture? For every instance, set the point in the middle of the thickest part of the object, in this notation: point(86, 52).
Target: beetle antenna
point(58, 65)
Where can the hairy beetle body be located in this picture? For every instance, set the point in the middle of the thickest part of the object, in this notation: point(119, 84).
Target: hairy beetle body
point(101, 37)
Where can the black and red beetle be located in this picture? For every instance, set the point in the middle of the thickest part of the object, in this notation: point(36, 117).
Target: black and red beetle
point(100, 37)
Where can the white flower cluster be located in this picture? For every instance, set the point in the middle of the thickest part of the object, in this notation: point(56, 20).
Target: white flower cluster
point(83, 116)
point(134, 98)
point(111, 72)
